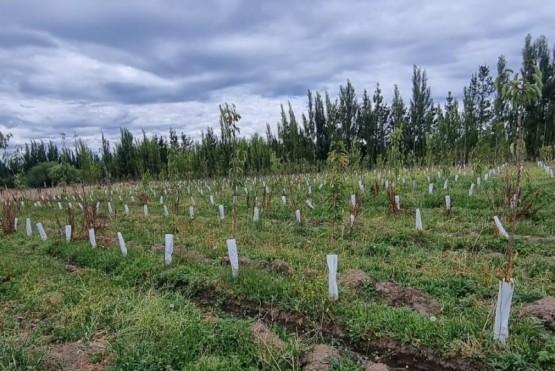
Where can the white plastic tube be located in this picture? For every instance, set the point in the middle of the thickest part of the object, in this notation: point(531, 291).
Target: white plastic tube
point(92, 238)
point(333, 290)
point(503, 311)
point(256, 214)
point(28, 228)
point(419, 220)
point(168, 248)
point(122, 246)
point(233, 256)
point(42, 233)
point(500, 227)
point(68, 232)
point(222, 212)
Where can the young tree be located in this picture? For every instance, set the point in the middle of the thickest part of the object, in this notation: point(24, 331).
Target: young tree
point(420, 112)
point(519, 91)
point(347, 112)
point(229, 119)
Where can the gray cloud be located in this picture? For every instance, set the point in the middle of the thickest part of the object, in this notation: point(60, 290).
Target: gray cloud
point(85, 66)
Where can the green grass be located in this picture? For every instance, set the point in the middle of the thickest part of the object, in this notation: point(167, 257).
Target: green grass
point(151, 316)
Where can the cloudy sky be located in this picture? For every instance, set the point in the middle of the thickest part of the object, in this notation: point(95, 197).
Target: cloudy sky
point(82, 66)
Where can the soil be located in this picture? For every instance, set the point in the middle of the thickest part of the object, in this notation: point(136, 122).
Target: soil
point(196, 257)
point(377, 367)
point(70, 268)
point(544, 309)
point(391, 352)
point(107, 241)
point(354, 278)
point(243, 260)
point(210, 317)
point(399, 296)
point(539, 239)
point(280, 266)
point(73, 356)
point(319, 358)
point(495, 255)
point(263, 336)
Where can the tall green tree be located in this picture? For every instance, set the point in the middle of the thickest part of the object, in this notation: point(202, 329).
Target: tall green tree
point(420, 113)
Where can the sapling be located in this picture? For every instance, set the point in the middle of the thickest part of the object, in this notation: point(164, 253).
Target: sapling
point(8, 219)
point(228, 121)
point(519, 92)
point(338, 161)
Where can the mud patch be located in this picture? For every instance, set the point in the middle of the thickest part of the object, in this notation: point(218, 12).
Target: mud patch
point(319, 357)
point(544, 309)
point(399, 296)
point(264, 336)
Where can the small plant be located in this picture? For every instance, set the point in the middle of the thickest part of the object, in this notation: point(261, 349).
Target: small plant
point(228, 120)
point(91, 218)
point(338, 161)
point(9, 213)
point(376, 188)
point(70, 219)
point(355, 209)
point(392, 202)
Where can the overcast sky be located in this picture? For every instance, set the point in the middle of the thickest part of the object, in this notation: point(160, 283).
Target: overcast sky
point(82, 66)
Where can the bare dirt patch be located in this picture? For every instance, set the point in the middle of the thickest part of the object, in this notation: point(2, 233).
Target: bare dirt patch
point(107, 241)
point(354, 278)
point(319, 358)
point(243, 260)
point(279, 266)
point(399, 296)
point(495, 255)
point(390, 351)
point(196, 257)
point(72, 356)
point(377, 367)
point(548, 239)
point(264, 336)
point(70, 268)
point(210, 317)
point(544, 309)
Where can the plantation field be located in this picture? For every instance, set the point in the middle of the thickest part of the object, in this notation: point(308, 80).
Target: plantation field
point(407, 299)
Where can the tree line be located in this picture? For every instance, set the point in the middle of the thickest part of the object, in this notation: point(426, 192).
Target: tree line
point(479, 128)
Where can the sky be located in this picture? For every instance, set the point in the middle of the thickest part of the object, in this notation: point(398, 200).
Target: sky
point(80, 67)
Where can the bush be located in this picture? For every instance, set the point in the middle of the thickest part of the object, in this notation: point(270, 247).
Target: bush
point(39, 175)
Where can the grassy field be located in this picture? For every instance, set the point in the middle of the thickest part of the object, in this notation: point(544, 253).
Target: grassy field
point(409, 299)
